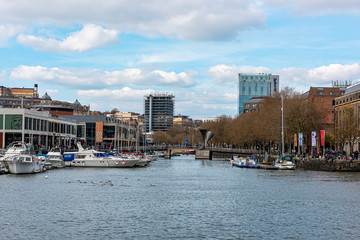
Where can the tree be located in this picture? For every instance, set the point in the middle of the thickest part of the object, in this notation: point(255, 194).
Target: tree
point(349, 127)
point(160, 137)
point(115, 110)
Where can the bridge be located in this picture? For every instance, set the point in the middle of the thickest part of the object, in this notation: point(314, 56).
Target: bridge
point(208, 153)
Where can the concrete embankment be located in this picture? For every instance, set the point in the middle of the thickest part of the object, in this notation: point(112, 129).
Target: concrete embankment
point(324, 165)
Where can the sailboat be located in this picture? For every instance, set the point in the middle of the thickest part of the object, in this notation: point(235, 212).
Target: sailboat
point(284, 162)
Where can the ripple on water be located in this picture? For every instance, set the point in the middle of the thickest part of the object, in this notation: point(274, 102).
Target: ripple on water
point(181, 198)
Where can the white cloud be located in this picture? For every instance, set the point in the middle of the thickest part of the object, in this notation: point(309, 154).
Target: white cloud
point(91, 36)
point(186, 19)
point(125, 99)
point(334, 72)
point(95, 78)
point(50, 92)
point(300, 78)
point(319, 6)
point(8, 31)
point(125, 93)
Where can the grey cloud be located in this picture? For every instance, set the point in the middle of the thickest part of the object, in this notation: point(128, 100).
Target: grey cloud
point(186, 19)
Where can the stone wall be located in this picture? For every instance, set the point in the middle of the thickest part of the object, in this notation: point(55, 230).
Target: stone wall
point(324, 165)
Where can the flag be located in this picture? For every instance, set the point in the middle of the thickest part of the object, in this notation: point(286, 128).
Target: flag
point(313, 138)
point(300, 139)
point(322, 137)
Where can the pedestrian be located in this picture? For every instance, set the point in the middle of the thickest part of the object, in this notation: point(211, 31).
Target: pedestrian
point(356, 154)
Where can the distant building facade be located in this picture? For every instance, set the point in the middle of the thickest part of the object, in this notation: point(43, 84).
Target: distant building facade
point(254, 85)
point(19, 92)
point(40, 129)
point(351, 98)
point(253, 105)
point(29, 98)
point(158, 112)
point(322, 98)
point(104, 132)
point(183, 121)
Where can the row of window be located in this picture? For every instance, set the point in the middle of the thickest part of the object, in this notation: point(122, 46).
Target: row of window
point(347, 100)
point(46, 126)
point(253, 77)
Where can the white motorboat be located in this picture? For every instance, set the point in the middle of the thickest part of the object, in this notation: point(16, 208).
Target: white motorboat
point(43, 158)
point(92, 158)
point(55, 158)
point(285, 162)
point(20, 164)
point(15, 148)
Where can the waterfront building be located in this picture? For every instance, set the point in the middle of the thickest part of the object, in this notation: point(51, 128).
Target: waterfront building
point(41, 129)
point(183, 121)
point(350, 99)
point(322, 98)
point(105, 132)
point(254, 85)
point(158, 112)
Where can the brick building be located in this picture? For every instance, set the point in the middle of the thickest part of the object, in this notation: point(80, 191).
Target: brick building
point(323, 97)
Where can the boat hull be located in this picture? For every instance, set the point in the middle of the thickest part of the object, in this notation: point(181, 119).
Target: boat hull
point(108, 163)
point(57, 163)
point(240, 165)
point(23, 168)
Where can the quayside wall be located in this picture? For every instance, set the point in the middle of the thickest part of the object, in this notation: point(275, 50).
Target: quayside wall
point(325, 165)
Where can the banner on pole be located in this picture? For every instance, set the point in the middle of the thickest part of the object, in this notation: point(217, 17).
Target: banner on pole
point(99, 128)
point(313, 139)
point(322, 137)
point(300, 139)
point(295, 140)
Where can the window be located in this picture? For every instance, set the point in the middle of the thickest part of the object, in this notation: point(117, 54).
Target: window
point(26, 123)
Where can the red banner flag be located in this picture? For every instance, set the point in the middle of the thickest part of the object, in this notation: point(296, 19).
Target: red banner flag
point(322, 135)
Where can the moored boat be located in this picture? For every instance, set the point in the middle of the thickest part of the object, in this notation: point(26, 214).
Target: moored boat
point(239, 161)
point(55, 158)
point(285, 162)
point(20, 164)
point(243, 162)
point(92, 158)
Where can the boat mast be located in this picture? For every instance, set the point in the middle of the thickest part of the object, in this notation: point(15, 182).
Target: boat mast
point(282, 125)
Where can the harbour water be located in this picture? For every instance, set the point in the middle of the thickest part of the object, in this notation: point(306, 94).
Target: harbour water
point(181, 198)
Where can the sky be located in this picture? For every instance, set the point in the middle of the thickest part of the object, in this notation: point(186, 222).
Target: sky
point(110, 54)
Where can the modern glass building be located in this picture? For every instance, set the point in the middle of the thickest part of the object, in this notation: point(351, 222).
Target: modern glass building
point(158, 112)
point(41, 129)
point(254, 85)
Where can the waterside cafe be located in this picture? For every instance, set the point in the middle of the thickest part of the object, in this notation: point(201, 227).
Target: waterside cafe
point(40, 129)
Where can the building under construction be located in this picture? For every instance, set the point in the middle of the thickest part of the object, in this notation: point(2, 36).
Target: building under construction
point(158, 112)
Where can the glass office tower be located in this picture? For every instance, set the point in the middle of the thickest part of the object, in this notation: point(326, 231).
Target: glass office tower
point(254, 85)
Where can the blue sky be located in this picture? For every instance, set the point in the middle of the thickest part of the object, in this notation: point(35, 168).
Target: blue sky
point(109, 54)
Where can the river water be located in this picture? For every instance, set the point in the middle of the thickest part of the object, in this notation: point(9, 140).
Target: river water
point(181, 198)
